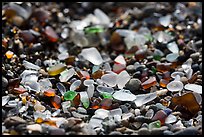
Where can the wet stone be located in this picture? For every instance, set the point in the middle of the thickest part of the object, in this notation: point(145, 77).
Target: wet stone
point(4, 82)
point(56, 131)
point(187, 131)
point(130, 68)
point(159, 131)
point(13, 121)
point(133, 85)
point(143, 131)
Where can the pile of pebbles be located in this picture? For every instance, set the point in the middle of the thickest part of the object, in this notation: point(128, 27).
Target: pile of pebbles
point(87, 68)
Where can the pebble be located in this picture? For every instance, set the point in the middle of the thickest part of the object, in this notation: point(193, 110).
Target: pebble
point(187, 131)
point(167, 132)
point(34, 127)
point(143, 131)
point(124, 108)
point(130, 68)
point(137, 74)
point(195, 67)
point(158, 131)
point(13, 121)
point(115, 133)
point(57, 131)
point(195, 56)
point(200, 66)
point(4, 82)
point(133, 85)
point(142, 119)
point(184, 80)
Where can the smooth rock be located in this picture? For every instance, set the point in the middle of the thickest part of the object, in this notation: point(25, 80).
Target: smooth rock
point(158, 131)
point(143, 131)
point(115, 133)
point(167, 132)
point(187, 131)
point(4, 82)
point(130, 68)
point(57, 131)
point(13, 121)
point(34, 127)
point(133, 85)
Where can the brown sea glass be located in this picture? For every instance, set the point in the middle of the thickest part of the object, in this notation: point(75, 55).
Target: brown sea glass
point(140, 54)
point(20, 90)
point(76, 100)
point(56, 101)
point(106, 103)
point(163, 83)
point(187, 100)
point(163, 67)
point(149, 83)
point(95, 103)
point(9, 54)
point(193, 78)
point(41, 15)
point(166, 75)
point(27, 36)
point(49, 93)
point(97, 75)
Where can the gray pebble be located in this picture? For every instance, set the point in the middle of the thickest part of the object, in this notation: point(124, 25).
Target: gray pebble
point(144, 125)
point(167, 132)
point(133, 85)
point(158, 131)
point(200, 66)
point(13, 121)
point(81, 110)
point(4, 82)
point(143, 131)
point(115, 133)
point(57, 131)
point(124, 109)
point(188, 131)
point(195, 56)
point(130, 68)
point(142, 119)
point(137, 74)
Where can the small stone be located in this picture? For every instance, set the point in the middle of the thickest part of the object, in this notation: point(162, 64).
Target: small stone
point(159, 131)
point(133, 85)
point(115, 133)
point(130, 68)
point(56, 131)
point(34, 127)
point(124, 108)
point(14, 121)
point(195, 67)
point(143, 131)
point(167, 132)
point(4, 82)
point(187, 131)
point(195, 56)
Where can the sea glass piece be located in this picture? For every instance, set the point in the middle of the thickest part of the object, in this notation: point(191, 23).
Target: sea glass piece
point(155, 124)
point(27, 36)
point(187, 65)
point(103, 89)
point(95, 104)
point(97, 74)
point(29, 65)
point(149, 83)
point(61, 88)
point(106, 95)
point(161, 115)
point(96, 123)
point(165, 20)
point(29, 75)
point(173, 47)
point(84, 99)
point(51, 34)
point(90, 90)
point(110, 79)
point(144, 98)
point(94, 29)
point(106, 103)
point(163, 67)
point(163, 83)
point(138, 40)
point(150, 113)
point(102, 113)
point(63, 56)
point(88, 82)
point(75, 85)
point(172, 57)
point(104, 19)
point(65, 33)
point(56, 101)
point(39, 107)
point(173, 75)
point(162, 37)
point(65, 105)
point(49, 93)
point(45, 84)
point(187, 100)
point(117, 68)
point(66, 75)
point(5, 100)
point(122, 79)
point(57, 69)
point(70, 95)
point(124, 95)
point(92, 55)
point(20, 90)
point(189, 73)
point(76, 101)
point(32, 85)
point(157, 54)
point(9, 54)
point(175, 86)
point(194, 87)
point(170, 119)
point(120, 60)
